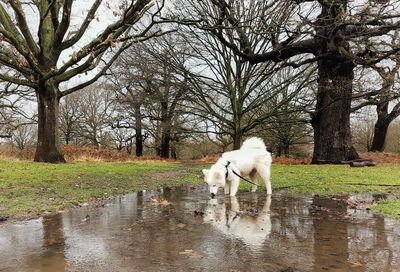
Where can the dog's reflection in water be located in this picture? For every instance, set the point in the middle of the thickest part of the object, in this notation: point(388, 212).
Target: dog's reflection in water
point(249, 225)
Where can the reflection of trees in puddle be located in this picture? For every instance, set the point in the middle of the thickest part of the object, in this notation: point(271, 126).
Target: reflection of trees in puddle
point(19, 245)
point(376, 243)
point(360, 241)
point(36, 245)
point(306, 234)
point(253, 228)
point(330, 236)
point(53, 244)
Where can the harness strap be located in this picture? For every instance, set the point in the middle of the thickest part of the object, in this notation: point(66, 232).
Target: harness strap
point(233, 171)
point(226, 168)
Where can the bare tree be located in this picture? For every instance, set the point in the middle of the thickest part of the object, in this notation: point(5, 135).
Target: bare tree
point(130, 117)
point(151, 87)
point(384, 98)
point(70, 117)
point(23, 136)
point(13, 109)
point(123, 139)
point(341, 36)
point(363, 129)
point(392, 143)
point(95, 113)
point(41, 61)
point(382, 124)
point(129, 78)
point(228, 92)
point(168, 89)
point(289, 127)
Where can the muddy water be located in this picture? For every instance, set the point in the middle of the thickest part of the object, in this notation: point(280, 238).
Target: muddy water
point(182, 229)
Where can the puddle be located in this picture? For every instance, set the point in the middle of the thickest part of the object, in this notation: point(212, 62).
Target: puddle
point(182, 229)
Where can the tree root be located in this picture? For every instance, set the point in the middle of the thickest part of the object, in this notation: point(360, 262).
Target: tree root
point(352, 163)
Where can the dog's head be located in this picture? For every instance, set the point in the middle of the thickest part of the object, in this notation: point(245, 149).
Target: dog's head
point(215, 178)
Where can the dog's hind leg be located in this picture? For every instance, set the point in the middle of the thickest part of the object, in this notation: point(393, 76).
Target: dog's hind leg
point(253, 177)
point(265, 174)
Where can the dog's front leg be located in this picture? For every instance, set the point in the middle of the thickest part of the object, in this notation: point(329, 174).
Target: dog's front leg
point(234, 186)
point(227, 188)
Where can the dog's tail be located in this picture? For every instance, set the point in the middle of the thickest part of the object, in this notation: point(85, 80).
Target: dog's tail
point(253, 142)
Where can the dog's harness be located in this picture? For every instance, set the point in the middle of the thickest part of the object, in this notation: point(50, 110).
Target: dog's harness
point(233, 171)
point(226, 168)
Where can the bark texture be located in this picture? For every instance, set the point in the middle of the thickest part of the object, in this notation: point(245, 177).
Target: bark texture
point(48, 147)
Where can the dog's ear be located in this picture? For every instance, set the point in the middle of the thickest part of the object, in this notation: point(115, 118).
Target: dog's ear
point(205, 172)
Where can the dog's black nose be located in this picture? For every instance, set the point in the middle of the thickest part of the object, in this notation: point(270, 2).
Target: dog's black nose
point(212, 195)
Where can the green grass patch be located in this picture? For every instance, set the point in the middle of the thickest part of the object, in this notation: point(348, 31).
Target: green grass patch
point(27, 188)
point(330, 179)
point(389, 207)
point(337, 180)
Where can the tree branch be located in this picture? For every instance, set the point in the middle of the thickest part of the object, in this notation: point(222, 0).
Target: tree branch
point(105, 40)
point(23, 26)
point(17, 81)
point(89, 17)
point(284, 53)
point(65, 22)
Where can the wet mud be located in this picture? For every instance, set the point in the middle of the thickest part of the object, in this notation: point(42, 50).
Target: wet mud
point(183, 229)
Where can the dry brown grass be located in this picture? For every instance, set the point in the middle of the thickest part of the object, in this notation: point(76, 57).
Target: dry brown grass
point(209, 159)
point(291, 161)
point(382, 157)
point(88, 154)
point(379, 157)
point(10, 153)
point(277, 160)
point(76, 154)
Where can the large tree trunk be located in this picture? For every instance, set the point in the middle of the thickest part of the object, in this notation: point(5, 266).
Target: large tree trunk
point(138, 131)
point(173, 153)
point(381, 128)
point(237, 140)
point(165, 130)
point(380, 132)
point(139, 143)
point(331, 121)
point(238, 133)
point(48, 149)
point(67, 139)
point(283, 150)
point(165, 142)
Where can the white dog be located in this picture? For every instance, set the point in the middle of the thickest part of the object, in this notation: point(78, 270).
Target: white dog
point(250, 159)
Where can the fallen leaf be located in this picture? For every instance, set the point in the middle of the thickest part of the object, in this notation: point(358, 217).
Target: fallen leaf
point(181, 225)
point(356, 264)
point(190, 253)
point(161, 201)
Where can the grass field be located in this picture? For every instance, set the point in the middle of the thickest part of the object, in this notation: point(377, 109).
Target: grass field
point(28, 189)
point(341, 180)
